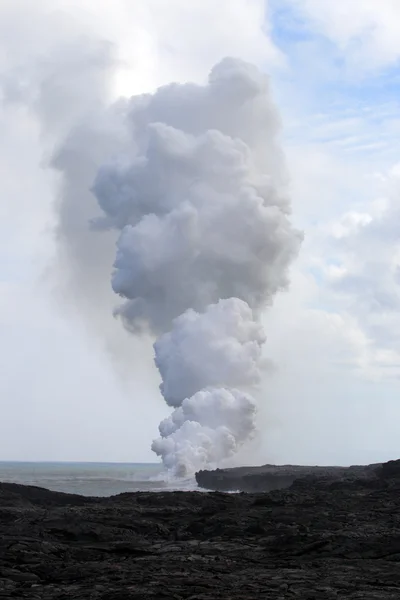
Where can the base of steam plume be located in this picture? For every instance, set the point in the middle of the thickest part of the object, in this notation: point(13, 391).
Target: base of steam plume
point(207, 428)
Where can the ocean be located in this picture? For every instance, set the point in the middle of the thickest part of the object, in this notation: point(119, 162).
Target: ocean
point(93, 479)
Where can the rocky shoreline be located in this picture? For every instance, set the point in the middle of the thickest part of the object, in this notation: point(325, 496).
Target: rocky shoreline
point(322, 538)
point(273, 477)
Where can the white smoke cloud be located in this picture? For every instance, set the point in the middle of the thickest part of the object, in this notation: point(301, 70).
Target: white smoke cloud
point(192, 190)
point(205, 244)
point(66, 85)
point(58, 78)
point(201, 203)
point(221, 346)
point(207, 428)
point(200, 356)
point(65, 61)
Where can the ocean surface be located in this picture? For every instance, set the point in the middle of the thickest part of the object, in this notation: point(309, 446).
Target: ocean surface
point(93, 479)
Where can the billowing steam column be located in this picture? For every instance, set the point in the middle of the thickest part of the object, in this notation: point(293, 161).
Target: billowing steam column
point(205, 244)
point(203, 355)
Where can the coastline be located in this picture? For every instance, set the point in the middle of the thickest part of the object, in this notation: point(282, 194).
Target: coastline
point(266, 478)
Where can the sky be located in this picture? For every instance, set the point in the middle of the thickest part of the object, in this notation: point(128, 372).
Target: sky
point(73, 384)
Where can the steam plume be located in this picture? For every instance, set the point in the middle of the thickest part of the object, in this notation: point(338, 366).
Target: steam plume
point(204, 245)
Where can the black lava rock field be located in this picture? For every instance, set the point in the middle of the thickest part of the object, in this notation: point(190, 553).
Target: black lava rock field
point(321, 538)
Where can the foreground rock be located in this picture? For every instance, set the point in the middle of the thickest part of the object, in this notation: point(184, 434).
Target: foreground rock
point(320, 539)
point(272, 477)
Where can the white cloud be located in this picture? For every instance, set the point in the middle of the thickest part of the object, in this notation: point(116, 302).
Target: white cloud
point(155, 41)
point(367, 32)
point(328, 401)
point(369, 254)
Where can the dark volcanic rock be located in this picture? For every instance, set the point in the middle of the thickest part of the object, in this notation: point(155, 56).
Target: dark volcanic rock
point(324, 538)
point(272, 477)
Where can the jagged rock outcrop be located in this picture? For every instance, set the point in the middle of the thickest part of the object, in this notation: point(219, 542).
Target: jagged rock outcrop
point(324, 538)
